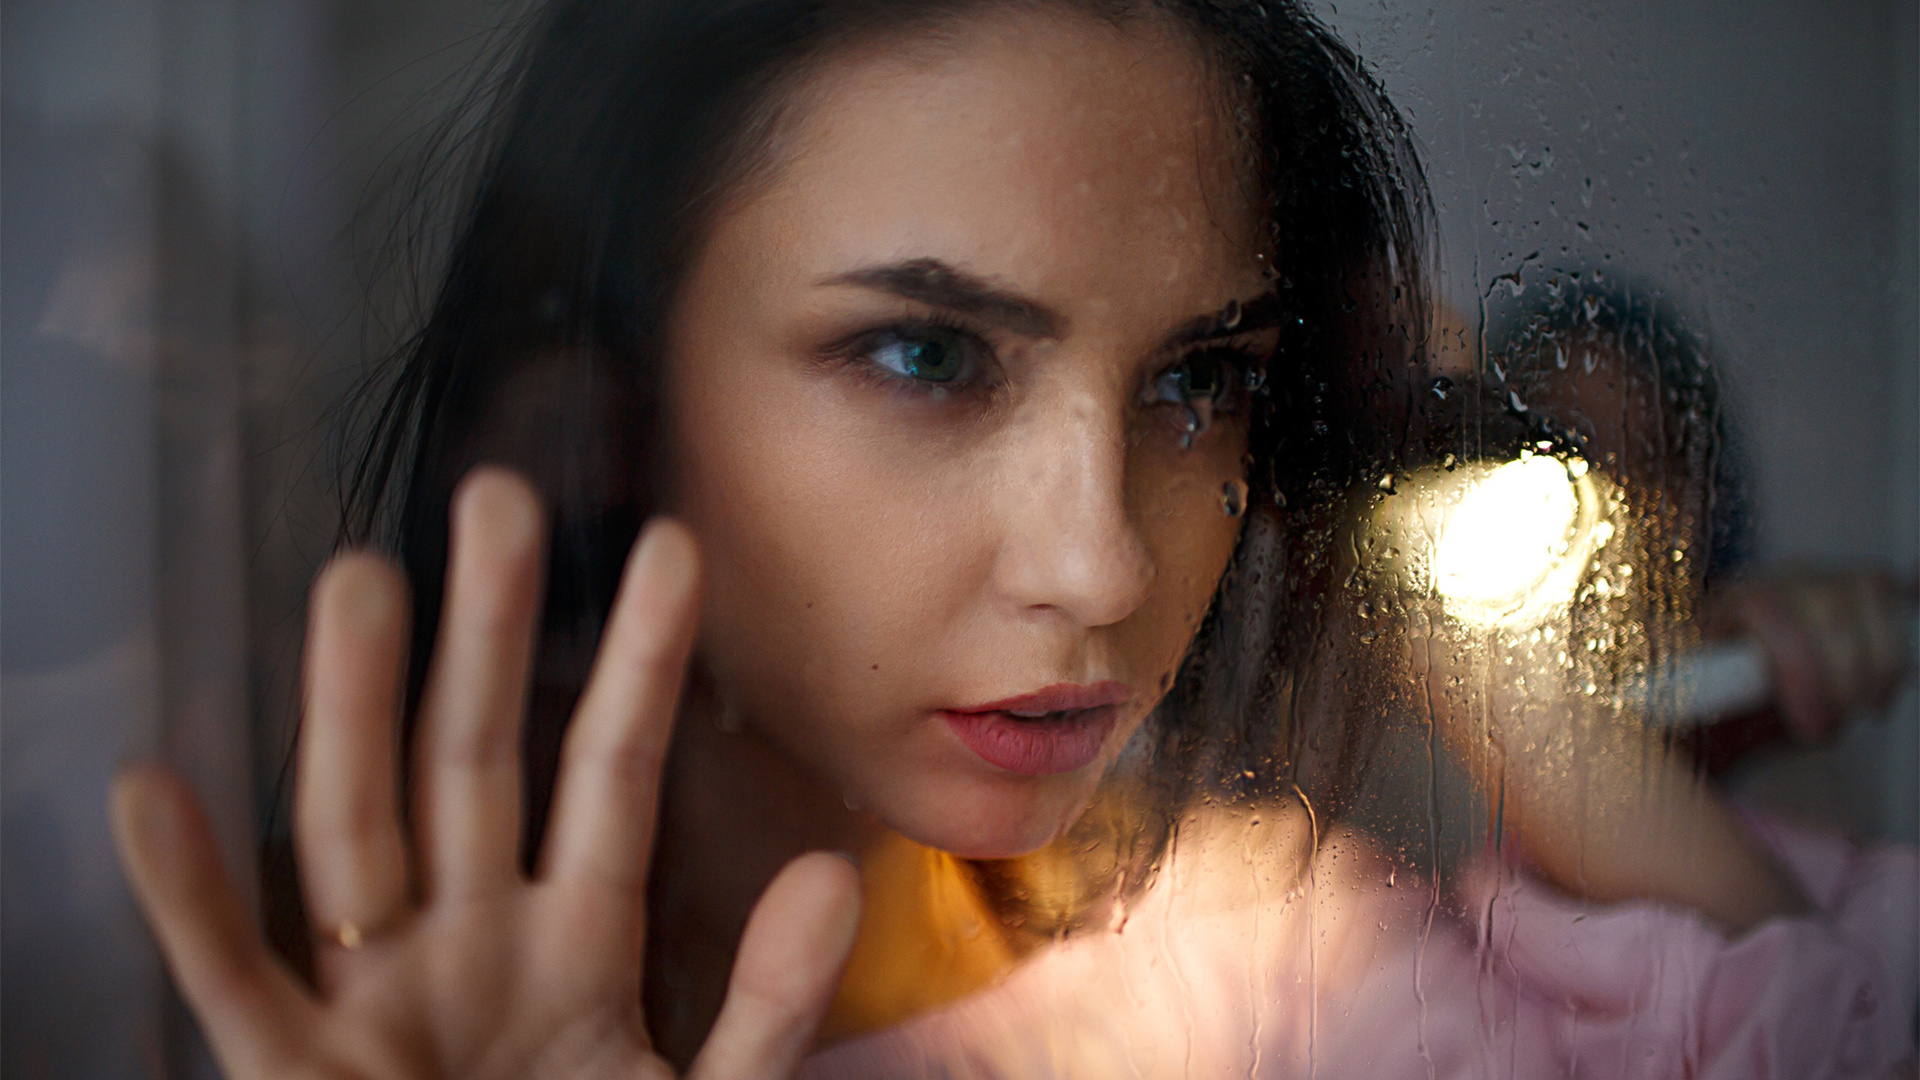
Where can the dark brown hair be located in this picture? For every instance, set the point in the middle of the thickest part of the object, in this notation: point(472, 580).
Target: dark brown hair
point(597, 152)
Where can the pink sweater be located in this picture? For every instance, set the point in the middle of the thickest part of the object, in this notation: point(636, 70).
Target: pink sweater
point(1236, 965)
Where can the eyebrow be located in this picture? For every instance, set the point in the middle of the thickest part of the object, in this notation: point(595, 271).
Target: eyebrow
point(937, 284)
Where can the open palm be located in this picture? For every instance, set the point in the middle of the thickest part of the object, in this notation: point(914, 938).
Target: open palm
point(436, 956)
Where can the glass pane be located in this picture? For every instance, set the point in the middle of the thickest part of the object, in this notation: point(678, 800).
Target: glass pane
point(1279, 539)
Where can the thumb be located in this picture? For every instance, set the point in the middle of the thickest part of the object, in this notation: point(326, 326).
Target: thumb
point(791, 956)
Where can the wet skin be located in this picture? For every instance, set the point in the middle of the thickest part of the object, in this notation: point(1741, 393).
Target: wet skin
point(882, 548)
point(1058, 197)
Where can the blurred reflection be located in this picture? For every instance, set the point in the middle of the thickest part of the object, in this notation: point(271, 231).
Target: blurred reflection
point(1618, 368)
point(1078, 504)
point(1594, 537)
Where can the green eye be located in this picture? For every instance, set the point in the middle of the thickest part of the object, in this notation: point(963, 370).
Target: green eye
point(933, 354)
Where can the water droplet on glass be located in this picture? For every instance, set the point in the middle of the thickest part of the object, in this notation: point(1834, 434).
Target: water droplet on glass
point(1233, 498)
point(1440, 386)
point(1199, 419)
point(1230, 317)
point(850, 802)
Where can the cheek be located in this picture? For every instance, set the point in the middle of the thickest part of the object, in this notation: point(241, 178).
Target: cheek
point(832, 562)
point(1188, 506)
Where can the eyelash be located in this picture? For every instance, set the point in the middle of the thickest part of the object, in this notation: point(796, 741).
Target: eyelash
point(1242, 365)
point(858, 353)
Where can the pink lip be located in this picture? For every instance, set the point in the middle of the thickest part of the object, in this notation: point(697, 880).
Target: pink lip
point(1070, 738)
point(1059, 697)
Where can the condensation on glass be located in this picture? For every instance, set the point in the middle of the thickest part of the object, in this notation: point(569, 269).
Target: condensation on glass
point(1671, 344)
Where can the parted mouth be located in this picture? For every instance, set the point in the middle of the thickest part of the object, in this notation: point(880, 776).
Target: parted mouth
point(1033, 743)
point(1056, 699)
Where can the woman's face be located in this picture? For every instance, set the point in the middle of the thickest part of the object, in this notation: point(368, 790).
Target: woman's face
point(958, 401)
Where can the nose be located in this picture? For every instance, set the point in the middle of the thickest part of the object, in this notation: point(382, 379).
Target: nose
point(1069, 546)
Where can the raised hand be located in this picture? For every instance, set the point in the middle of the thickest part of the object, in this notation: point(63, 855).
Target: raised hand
point(435, 955)
point(1838, 641)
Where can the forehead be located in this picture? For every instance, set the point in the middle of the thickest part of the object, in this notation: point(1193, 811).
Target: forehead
point(1050, 149)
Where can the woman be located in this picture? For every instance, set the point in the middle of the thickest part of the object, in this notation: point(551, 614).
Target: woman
point(998, 365)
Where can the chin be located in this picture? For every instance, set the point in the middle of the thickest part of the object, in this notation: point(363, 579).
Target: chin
point(988, 818)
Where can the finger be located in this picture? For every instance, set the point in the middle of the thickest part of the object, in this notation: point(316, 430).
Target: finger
point(352, 854)
point(467, 804)
point(1801, 689)
point(610, 766)
point(791, 956)
point(250, 1007)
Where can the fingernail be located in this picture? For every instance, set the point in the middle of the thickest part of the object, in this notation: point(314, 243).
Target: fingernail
point(501, 504)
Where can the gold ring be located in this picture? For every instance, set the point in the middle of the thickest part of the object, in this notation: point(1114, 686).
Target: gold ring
point(353, 936)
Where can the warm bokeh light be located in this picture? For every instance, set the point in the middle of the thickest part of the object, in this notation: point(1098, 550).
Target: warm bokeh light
point(1515, 546)
point(1504, 545)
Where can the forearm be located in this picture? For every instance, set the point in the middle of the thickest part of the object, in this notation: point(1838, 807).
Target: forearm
point(1629, 820)
point(1607, 811)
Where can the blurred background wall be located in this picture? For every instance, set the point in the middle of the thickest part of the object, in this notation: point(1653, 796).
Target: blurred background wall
point(185, 263)
point(1756, 162)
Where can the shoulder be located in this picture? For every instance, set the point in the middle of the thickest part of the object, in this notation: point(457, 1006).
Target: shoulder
point(1249, 933)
